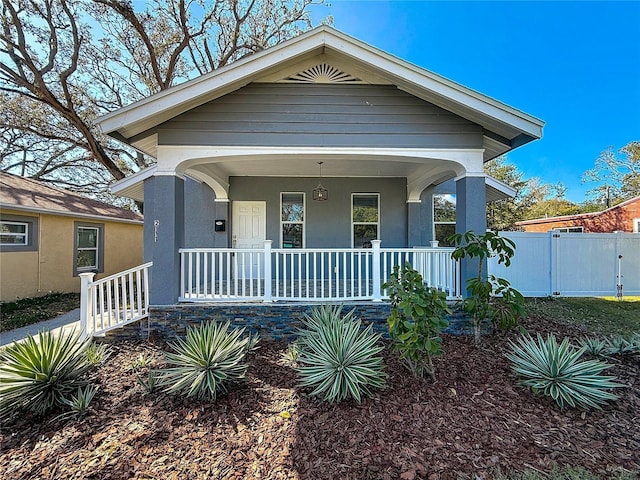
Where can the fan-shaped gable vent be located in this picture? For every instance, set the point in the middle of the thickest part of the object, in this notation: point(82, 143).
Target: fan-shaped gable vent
point(323, 73)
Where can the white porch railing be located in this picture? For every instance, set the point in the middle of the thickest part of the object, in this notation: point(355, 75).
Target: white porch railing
point(113, 301)
point(310, 274)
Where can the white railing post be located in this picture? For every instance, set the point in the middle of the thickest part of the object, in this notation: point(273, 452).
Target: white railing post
point(267, 271)
point(85, 302)
point(375, 270)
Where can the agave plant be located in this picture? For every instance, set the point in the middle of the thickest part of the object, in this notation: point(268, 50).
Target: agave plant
point(97, 353)
point(79, 402)
point(41, 372)
point(338, 359)
point(594, 346)
point(619, 345)
point(206, 361)
point(555, 370)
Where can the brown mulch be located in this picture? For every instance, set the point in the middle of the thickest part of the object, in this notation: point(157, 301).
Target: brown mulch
point(472, 422)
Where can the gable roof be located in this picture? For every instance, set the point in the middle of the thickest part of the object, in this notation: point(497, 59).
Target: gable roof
point(505, 127)
point(578, 216)
point(26, 194)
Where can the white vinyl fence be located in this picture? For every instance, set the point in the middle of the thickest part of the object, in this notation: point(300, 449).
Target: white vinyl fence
point(572, 264)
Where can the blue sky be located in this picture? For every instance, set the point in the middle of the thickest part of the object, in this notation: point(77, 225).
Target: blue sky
point(575, 65)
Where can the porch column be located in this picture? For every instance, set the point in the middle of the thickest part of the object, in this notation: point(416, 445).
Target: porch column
point(414, 224)
point(471, 214)
point(163, 236)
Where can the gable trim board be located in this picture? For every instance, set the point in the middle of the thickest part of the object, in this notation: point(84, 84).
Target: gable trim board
point(498, 119)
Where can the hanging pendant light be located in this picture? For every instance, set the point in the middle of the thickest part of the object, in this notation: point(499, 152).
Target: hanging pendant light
point(320, 194)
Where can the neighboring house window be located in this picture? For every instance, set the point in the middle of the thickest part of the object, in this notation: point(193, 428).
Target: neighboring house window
point(14, 233)
point(365, 219)
point(444, 218)
point(18, 233)
point(636, 225)
point(292, 220)
point(569, 229)
point(89, 248)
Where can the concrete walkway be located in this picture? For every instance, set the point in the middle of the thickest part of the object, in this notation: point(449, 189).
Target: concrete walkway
point(63, 323)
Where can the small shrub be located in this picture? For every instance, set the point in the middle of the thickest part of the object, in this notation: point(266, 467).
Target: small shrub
point(39, 374)
point(140, 363)
point(338, 359)
point(79, 402)
point(556, 370)
point(149, 383)
point(490, 298)
point(290, 356)
point(619, 345)
point(209, 359)
point(97, 353)
point(596, 347)
point(418, 316)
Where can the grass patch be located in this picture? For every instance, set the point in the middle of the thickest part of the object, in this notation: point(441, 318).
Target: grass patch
point(600, 316)
point(28, 311)
point(564, 473)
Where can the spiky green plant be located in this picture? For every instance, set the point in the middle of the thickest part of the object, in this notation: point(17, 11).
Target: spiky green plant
point(556, 370)
point(290, 356)
point(40, 372)
point(338, 359)
point(619, 345)
point(594, 346)
point(149, 383)
point(140, 362)
point(97, 353)
point(79, 402)
point(204, 363)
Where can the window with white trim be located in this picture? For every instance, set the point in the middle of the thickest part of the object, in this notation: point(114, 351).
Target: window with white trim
point(87, 241)
point(365, 219)
point(569, 229)
point(14, 233)
point(88, 246)
point(636, 225)
point(444, 218)
point(292, 220)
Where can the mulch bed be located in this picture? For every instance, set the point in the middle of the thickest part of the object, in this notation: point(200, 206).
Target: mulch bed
point(472, 422)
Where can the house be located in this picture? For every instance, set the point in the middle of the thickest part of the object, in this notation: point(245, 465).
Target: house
point(624, 217)
point(314, 163)
point(48, 236)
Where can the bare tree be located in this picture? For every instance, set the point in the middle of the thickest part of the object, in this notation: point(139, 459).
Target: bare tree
point(617, 174)
point(63, 63)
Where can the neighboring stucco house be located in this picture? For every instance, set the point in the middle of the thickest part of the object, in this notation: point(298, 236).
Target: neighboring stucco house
point(624, 217)
point(319, 143)
point(49, 235)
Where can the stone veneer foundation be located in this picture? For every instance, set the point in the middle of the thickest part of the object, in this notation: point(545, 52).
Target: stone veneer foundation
point(278, 321)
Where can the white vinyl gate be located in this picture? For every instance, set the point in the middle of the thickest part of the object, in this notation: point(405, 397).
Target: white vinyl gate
point(572, 264)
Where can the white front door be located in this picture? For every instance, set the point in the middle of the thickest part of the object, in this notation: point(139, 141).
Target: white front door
point(248, 230)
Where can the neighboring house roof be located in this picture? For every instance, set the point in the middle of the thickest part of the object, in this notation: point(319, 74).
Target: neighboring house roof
point(26, 194)
point(505, 128)
point(578, 216)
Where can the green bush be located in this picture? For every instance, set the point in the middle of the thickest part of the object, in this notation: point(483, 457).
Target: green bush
point(209, 359)
point(337, 359)
point(556, 370)
point(490, 298)
point(40, 373)
point(418, 316)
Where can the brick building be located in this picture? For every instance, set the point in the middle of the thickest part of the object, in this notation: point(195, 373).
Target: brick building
point(624, 217)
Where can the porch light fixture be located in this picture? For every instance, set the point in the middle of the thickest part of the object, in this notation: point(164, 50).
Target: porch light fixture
point(320, 194)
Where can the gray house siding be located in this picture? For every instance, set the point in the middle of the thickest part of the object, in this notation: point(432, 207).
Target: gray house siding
point(320, 115)
point(328, 223)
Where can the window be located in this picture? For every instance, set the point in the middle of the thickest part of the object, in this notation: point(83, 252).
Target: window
point(636, 225)
point(14, 233)
point(18, 233)
point(569, 229)
point(444, 218)
point(89, 248)
point(292, 220)
point(365, 219)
